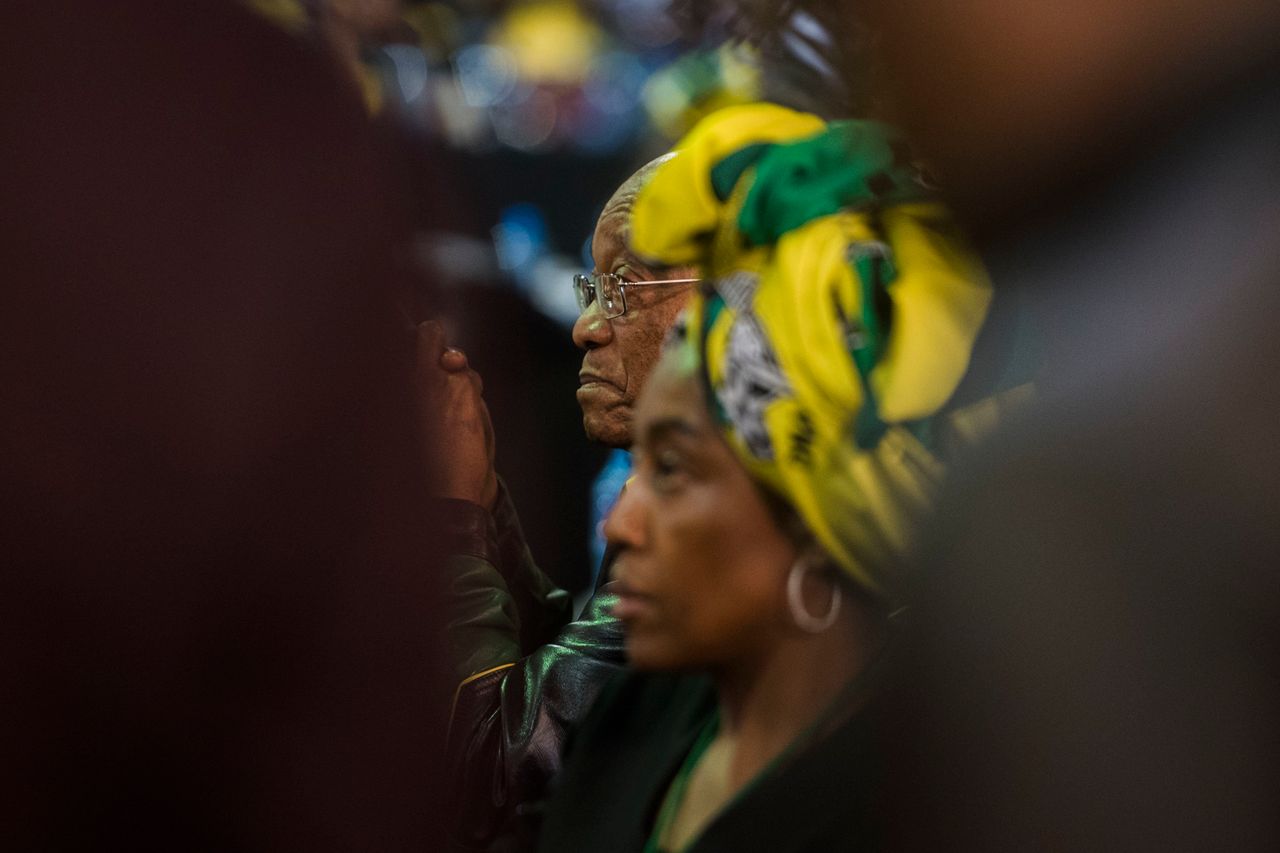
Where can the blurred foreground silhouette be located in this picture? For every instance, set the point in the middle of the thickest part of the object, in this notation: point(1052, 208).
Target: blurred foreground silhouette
point(216, 598)
point(1093, 663)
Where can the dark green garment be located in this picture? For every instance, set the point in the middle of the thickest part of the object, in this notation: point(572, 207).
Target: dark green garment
point(623, 758)
point(527, 673)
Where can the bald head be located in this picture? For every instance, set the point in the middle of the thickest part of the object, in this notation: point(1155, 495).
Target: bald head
point(632, 185)
point(615, 219)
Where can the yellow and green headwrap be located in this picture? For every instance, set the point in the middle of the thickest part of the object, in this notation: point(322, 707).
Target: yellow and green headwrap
point(844, 311)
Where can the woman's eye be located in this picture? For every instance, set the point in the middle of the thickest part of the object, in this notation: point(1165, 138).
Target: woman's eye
point(667, 469)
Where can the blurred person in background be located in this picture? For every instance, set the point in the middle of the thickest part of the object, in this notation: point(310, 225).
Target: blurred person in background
point(219, 594)
point(344, 27)
point(809, 55)
point(349, 32)
point(527, 669)
point(349, 25)
point(1093, 662)
point(788, 447)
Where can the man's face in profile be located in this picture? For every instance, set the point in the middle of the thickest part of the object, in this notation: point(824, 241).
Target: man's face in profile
point(622, 351)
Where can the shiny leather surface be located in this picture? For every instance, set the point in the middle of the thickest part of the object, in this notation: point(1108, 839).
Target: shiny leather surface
point(527, 674)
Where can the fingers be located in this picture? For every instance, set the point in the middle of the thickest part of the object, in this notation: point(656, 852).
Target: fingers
point(430, 344)
point(431, 335)
point(455, 429)
point(453, 360)
point(459, 384)
point(446, 382)
point(433, 347)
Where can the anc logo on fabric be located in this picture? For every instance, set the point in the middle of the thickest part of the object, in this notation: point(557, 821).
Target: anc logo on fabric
point(737, 289)
point(752, 380)
point(752, 377)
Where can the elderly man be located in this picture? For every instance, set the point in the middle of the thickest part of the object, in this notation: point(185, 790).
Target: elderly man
point(526, 670)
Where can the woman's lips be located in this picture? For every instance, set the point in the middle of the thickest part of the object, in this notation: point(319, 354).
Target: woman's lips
point(630, 605)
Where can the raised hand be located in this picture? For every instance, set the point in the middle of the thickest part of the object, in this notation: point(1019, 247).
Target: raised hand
point(456, 431)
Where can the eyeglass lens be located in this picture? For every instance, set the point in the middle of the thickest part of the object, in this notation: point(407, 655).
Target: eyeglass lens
point(584, 290)
point(604, 287)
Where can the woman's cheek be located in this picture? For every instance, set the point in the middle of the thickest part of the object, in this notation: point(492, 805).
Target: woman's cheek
point(674, 636)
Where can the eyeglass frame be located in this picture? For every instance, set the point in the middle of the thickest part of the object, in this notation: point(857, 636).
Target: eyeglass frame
point(581, 281)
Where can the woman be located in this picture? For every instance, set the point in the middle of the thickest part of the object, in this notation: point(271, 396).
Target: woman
point(786, 449)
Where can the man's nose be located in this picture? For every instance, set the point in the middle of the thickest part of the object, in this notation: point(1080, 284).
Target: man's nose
point(592, 329)
point(625, 525)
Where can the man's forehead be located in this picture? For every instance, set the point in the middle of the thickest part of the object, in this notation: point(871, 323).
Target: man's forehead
point(613, 228)
point(610, 239)
point(614, 223)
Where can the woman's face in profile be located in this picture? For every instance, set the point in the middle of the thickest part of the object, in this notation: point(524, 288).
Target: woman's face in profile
point(702, 564)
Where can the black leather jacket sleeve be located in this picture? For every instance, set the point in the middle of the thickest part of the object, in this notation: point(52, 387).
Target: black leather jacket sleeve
point(526, 673)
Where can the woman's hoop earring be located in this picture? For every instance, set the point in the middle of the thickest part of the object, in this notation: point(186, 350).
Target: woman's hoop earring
point(795, 601)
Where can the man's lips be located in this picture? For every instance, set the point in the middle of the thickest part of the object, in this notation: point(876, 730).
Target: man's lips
point(586, 377)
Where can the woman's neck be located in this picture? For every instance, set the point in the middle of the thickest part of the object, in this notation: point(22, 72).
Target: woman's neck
point(770, 700)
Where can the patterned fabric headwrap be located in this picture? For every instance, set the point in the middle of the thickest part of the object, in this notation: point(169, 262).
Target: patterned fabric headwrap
point(842, 317)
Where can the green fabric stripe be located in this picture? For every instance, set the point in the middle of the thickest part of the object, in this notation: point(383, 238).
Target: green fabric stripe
point(725, 174)
point(874, 273)
point(853, 165)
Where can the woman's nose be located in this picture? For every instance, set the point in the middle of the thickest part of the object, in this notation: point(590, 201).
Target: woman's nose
point(625, 525)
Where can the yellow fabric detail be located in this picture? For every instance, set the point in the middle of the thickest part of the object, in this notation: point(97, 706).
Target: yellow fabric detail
point(678, 210)
point(861, 505)
point(940, 298)
point(779, 354)
point(477, 676)
point(971, 423)
point(453, 706)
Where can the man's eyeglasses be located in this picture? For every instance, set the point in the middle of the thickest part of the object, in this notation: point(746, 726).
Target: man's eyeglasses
point(611, 290)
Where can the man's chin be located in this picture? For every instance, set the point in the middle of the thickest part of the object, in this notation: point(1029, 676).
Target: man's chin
point(611, 428)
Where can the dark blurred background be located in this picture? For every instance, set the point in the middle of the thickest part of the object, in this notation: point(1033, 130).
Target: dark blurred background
point(516, 121)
